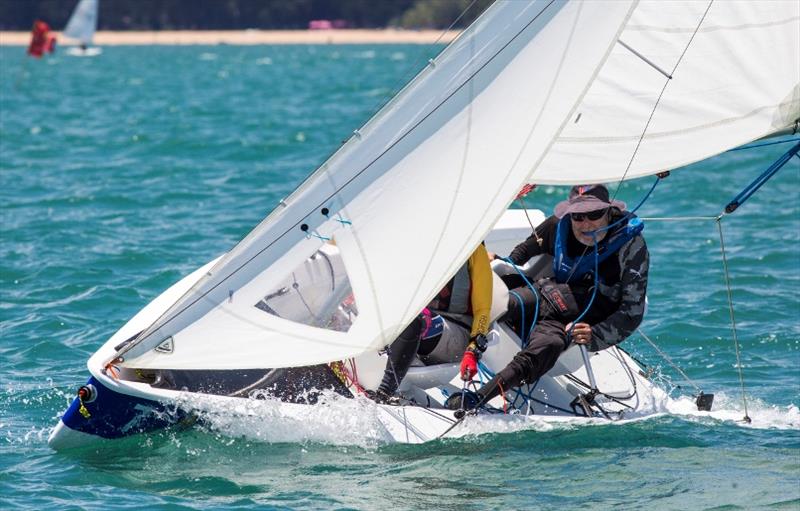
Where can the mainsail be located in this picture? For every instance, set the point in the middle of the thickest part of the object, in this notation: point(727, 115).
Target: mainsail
point(83, 22)
point(532, 92)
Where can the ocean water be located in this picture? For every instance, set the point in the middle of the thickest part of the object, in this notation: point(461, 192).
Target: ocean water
point(120, 174)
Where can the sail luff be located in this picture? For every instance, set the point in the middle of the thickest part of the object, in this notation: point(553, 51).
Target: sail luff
point(427, 178)
point(387, 130)
point(383, 256)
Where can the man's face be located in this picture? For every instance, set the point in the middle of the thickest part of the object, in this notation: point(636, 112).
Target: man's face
point(584, 223)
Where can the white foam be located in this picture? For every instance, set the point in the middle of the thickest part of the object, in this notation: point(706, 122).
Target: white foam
point(730, 409)
point(334, 420)
point(337, 420)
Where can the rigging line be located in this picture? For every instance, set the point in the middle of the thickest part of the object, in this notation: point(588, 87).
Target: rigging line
point(380, 105)
point(625, 216)
point(530, 222)
point(345, 184)
point(669, 360)
point(405, 79)
point(762, 145)
point(658, 100)
point(676, 218)
point(588, 386)
point(616, 354)
point(733, 320)
point(415, 65)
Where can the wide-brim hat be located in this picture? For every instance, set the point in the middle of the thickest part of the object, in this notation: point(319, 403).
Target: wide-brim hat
point(586, 198)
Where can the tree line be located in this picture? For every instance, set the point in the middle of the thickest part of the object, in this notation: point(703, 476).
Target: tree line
point(244, 14)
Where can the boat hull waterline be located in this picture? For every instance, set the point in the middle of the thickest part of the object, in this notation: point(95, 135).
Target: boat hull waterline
point(115, 406)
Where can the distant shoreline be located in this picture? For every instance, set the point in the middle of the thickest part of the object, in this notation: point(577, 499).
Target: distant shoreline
point(250, 37)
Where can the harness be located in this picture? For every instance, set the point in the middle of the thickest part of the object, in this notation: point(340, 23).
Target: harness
point(568, 269)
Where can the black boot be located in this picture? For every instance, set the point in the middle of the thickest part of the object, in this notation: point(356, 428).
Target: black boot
point(401, 354)
point(475, 399)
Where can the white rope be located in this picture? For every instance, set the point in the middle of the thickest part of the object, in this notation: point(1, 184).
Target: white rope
point(733, 320)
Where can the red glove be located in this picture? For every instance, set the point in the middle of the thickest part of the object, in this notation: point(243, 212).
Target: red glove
point(469, 365)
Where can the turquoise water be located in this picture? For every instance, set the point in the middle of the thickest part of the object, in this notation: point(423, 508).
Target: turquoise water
point(120, 174)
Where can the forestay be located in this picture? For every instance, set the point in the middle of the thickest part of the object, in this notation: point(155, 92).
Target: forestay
point(408, 197)
point(83, 22)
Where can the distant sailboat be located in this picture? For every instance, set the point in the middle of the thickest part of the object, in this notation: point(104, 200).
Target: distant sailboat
point(82, 26)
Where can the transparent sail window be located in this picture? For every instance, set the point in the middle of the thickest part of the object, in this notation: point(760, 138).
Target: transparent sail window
point(317, 293)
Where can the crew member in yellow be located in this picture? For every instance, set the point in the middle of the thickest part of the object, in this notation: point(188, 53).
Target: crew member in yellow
point(452, 327)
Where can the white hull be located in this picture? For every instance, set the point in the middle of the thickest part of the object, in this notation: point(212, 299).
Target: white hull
point(626, 392)
point(76, 51)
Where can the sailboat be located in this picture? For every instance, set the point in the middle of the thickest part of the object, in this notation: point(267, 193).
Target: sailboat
point(298, 313)
point(81, 26)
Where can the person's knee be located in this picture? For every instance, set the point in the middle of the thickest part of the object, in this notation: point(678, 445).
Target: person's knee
point(413, 330)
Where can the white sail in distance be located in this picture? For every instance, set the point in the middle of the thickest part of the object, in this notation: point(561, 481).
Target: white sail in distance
point(83, 22)
point(421, 184)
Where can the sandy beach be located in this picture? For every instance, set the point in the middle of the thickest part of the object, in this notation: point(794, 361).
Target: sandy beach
point(250, 37)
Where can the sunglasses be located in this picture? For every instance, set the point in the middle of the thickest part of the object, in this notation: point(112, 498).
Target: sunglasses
point(591, 215)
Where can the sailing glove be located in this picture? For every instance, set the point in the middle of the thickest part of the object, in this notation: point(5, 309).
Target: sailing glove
point(469, 365)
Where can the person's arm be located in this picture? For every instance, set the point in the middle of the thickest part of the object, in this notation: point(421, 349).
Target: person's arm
point(635, 264)
point(481, 291)
point(539, 242)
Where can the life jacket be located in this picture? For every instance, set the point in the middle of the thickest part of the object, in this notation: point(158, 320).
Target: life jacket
point(455, 297)
point(567, 269)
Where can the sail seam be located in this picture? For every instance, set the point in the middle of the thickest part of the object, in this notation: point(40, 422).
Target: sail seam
point(541, 111)
point(658, 100)
point(148, 332)
point(744, 26)
point(356, 238)
point(665, 134)
point(580, 99)
point(456, 189)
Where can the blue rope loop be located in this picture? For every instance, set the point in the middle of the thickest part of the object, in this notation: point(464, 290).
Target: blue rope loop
point(326, 213)
point(760, 180)
point(628, 214)
point(342, 220)
point(485, 371)
point(522, 318)
point(315, 234)
point(535, 295)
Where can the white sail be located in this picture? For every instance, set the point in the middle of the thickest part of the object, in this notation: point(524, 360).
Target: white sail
point(735, 68)
point(83, 22)
point(410, 196)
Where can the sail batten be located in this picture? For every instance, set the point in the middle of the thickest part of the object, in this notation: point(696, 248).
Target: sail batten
point(532, 92)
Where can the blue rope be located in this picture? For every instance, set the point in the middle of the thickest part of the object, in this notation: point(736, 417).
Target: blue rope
point(535, 294)
point(522, 319)
point(629, 213)
point(597, 255)
point(594, 288)
point(762, 145)
point(319, 236)
point(760, 180)
point(518, 392)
